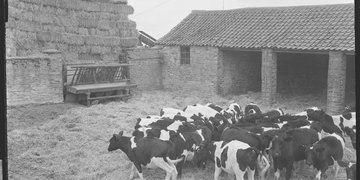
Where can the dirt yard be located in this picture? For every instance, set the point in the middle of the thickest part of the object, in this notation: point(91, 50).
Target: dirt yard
point(69, 141)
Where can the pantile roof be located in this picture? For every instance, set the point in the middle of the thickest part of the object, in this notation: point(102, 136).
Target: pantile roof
point(320, 27)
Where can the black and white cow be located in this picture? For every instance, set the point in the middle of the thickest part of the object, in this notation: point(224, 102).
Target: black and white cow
point(259, 141)
point(324, 153)
point(287, 148)
point(234, 157)
point(234, 110)
point(252, 108)
point(351, 132)
point(256, 140)
point(350, 168)
point(149, 152)
point(331, 124)
point(214, 106)
point(207, 112)
point(177, 114)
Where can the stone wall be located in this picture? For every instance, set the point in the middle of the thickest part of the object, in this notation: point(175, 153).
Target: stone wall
point(35, 79)
point(199, 76)
point(336, 83)
point(268, 76)
point(350, 93)
point(146, 67)
point(239, 72)
point(83, 30)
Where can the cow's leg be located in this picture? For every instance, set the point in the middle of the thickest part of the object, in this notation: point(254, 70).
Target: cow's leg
point(132, 171)
point(318, 175)
point(139, 170)
point(174, 172)
point(217, 172)
point(239, 174)
point(337, 167)
point(277, 174)
point(250, 174)
point(179, 166)
point(263, 160)
point(289, 169)
point(159, 162)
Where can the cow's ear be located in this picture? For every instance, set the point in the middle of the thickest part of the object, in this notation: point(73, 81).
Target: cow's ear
point(121, 133)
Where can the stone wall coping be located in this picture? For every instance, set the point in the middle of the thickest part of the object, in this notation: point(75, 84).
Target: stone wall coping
point(31, 57)
point(144, 48)
point(51, 51)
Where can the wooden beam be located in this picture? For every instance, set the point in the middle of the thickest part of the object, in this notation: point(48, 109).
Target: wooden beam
point(281, 50)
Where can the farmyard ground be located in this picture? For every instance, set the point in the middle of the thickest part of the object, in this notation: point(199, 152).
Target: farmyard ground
point(69, 141)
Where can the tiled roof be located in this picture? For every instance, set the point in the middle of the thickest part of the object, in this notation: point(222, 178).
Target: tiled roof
point(321, 27)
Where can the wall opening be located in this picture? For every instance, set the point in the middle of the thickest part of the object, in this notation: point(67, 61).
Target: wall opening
point(241, 72)
point(302, 74)
point(350, 93)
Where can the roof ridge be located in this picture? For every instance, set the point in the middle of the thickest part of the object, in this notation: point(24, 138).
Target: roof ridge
point(270, 7)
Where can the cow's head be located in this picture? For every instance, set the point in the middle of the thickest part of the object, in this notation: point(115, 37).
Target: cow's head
point(315, 114)
point(316, 126)
point(279, 143)
point(116, 141)
point(205, 153)
point(316, 152)
point(265, 140)
point(310, 154)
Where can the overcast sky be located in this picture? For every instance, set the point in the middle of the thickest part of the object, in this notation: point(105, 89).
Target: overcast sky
point(158, 17)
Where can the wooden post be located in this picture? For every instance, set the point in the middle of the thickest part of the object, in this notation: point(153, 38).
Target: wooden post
point(336, 82)
point(64, 80)
point(268, 76)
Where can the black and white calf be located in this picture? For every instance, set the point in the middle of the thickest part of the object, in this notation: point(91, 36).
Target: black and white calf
point(326, 152)
point(234, 157)
point(289, 147)
point(149, 152)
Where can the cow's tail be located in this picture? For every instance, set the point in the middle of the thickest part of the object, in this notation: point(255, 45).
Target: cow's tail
point(174, 161)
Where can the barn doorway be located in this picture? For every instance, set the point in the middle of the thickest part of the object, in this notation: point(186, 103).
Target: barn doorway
point(241, 72)
point(301, 74)
point(350, 93)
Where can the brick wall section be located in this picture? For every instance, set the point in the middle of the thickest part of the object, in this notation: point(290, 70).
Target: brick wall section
point(200, 75)
point(81, 29)
point(268, 75)
point(240, 72)
point(36, 79)
point(146, 68)
point(336, 82)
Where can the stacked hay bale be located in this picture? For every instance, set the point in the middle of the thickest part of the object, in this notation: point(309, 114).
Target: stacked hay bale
point(81, 29)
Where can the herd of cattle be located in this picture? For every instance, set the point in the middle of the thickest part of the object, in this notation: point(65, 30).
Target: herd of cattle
point(239, 141)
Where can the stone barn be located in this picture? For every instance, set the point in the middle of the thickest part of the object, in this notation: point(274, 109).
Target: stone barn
point(273, 50)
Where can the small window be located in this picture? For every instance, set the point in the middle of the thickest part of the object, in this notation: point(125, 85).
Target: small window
point(185, 55)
